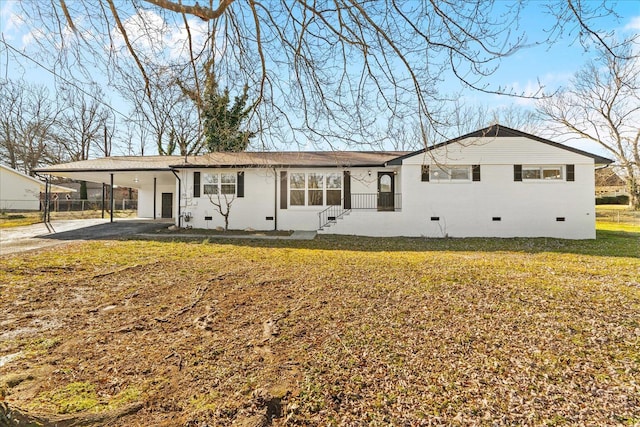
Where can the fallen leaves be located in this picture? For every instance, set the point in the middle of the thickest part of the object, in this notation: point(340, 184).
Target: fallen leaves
point(334, 332)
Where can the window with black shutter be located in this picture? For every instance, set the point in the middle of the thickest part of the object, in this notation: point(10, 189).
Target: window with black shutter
point(425, 173)
point(571, 173)
point(283, 190)
point(347, 189)
point(196, 184)
point(240, 181)
point(475, 172)
point(517, 172)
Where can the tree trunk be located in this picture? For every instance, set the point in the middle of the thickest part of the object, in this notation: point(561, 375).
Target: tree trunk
point(633, 187)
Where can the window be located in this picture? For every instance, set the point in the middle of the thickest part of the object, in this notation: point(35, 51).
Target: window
point(334, 189)
point(297, 189)
point(449, 173)
point(219, 183)
point(541, 172)
point(228, 183)
point(315, 189)
point(210, 183)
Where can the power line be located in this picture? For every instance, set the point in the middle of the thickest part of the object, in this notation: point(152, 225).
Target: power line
point(9, 46)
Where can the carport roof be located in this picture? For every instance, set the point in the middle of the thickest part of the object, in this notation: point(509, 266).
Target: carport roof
point(226, 159)
point(115, 164)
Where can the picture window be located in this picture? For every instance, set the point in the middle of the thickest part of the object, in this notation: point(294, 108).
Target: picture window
point(315, 189)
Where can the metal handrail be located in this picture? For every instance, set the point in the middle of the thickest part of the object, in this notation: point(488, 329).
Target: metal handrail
point(370, 201)
point(358, 201)
point(331, 214)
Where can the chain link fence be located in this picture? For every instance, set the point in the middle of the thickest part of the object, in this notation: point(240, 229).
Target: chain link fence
point(66, 205)
point(618, 215)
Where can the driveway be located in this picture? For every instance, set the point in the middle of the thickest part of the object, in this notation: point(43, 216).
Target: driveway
point(19, 239)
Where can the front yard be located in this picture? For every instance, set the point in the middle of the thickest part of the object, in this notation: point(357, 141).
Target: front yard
point(335, 331)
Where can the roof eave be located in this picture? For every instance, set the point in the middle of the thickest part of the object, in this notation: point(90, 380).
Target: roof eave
point(279, 166)
point(493, 131)
point(103, 170)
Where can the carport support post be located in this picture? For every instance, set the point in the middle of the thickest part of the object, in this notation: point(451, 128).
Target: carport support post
point(111, 201)
point(46, 200)
point(103, 200)
point(155, 185)
point(179, 201)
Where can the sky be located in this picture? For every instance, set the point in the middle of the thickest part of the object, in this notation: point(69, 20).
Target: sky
point(551, 66)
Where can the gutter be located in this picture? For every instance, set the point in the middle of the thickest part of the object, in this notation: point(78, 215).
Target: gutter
point(275, 199)
point(96, 170)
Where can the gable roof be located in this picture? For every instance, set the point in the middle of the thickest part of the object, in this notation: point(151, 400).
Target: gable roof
point(499, 131)
point(54, 188)
point(608, 178)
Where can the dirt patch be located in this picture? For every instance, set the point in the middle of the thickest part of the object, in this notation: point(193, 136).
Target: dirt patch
point(191, 334)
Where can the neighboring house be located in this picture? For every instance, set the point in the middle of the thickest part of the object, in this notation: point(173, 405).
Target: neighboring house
point(21, 192)
point(609, 184)
point(495, 182)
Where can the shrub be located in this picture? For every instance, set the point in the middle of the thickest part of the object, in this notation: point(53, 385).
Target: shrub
point(613, 200)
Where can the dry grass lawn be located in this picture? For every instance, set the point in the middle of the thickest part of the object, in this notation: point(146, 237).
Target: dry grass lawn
point(335, 331)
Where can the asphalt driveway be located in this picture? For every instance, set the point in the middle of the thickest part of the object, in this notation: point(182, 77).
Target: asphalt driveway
point(19, 239)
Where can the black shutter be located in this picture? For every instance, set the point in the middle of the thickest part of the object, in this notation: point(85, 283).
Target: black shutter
point(425, 173)
point(517, 172)
point(240, 182)
point(571, 172)
point(283, 190)
point(475, 172)
point(196, 184)
point(346, 178)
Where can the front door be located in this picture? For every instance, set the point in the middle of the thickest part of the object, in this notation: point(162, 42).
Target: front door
point(386, 189)
point(167, 205)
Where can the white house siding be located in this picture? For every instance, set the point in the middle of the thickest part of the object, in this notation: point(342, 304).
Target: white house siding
point(18, 193)
point(467, 209)
point(363, 181)
point(260, 207)
point(146, 200)
point(502, 150)
point(252, 210)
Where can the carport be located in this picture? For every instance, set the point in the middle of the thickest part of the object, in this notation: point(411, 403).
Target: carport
point(152, 176)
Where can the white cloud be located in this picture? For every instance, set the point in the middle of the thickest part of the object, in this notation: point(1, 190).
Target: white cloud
point(10, 21)
point(32, 36)
point(155, 38)
point(634, 24)
point(546, 84)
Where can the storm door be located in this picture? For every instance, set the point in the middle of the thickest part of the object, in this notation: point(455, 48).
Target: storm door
point(386, 190)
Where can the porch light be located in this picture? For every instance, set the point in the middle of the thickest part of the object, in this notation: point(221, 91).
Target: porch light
point(135, 179)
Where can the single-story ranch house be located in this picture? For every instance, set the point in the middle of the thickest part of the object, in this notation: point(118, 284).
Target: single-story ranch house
point(495, 182)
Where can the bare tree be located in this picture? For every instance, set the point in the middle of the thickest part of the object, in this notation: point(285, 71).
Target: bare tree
point(345, 71)
point(328, 72)
point(222, 204)
point(463, 119)
point(164, 113)
point(83, 123)
point(602, 104)
point(28, 119)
